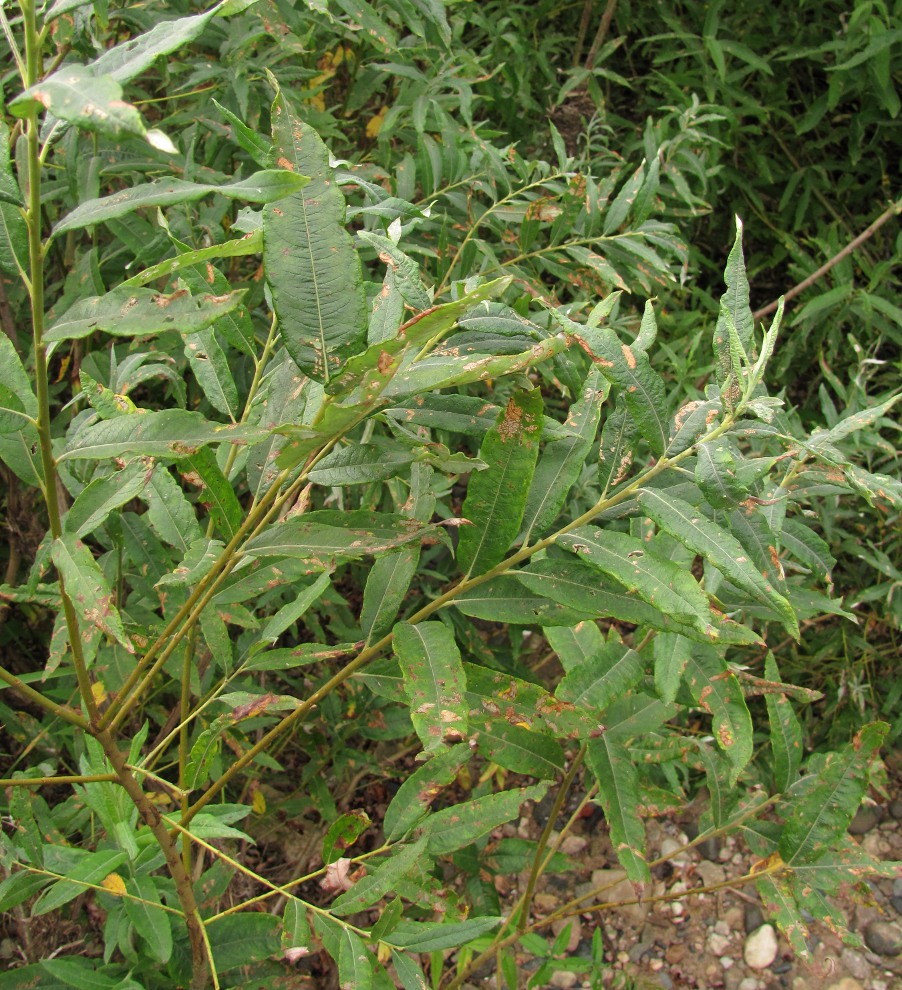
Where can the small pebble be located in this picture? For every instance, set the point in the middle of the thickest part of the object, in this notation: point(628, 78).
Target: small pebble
point(722, 928)
point(846, 984)
point(573, 845)
point(761, 948)
point(717, 944)
point(665, 981)
point(749, 983)
point(884, 938)
point(895, 809)
point(867, 817)
point(564, 980)
point(753, 917)
point(896, 903)
point(779, 968)
point(726, 962)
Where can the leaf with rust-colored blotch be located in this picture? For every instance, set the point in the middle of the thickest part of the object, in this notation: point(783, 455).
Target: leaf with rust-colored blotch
point(86, 586)
point(496, 497)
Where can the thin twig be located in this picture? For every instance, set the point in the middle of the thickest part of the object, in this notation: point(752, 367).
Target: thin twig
point(887, 214)
point(601, 33)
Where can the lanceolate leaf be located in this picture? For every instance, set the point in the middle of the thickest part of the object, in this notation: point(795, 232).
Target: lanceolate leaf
point(386, 587)
point(458, 826)
point(320, 536)
point(615, 452)
point(618, 787)
point(141, 312)
point(516, 748)
point(629, 369)
point(169, 433)
point(149, 918)
point(102, 495)
point(695, 531)
point(434, 682)
point(785, 731)
point(86, 586)
point(414, 796)
point(574, 644)
point(380, 880)
point(561, 462)
point(715, 475)
point(211, 369)
point(508, 599)
point(717, 692)
point(604, 678)
point(263, 187)
point(355, 967)
point(822, 813)
point(497, 496)
point(660, 582)
point(671, 653)
point(76, 94)
point(311, 265)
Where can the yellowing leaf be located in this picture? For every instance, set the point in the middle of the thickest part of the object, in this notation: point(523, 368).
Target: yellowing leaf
point(114, 883)
point(99, 692)
point(375, 123)
point(258, 803)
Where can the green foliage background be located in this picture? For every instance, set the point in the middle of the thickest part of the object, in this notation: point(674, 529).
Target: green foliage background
point(358, 359)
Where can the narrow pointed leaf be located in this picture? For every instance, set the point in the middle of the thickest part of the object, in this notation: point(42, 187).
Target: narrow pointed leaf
point(615, 452)
point(76, 94)
point(496, 497)
point(434, 682)
point(629, 369)
point(386, 587)
point(149, 918)
point(574, 644)
point(313, 270)
point(211, 369)
point(419, 790)
point(660, 582)
point(508, 599)
point(671, 653)
point(380, 879)
point(87, 587)
point(141, 312)
point(688, 525)
point(785, 731)
point(355, 968)
point(822, 813)
point(430, 936)
point(604, 678)
point(717, 692)
point(455, 827)
point(618, 787)
point(262, 187)
point(561, 462)
point(715, 475)
point(98, 499)
point(169, 433)
point(215, 493)
point(516, 748)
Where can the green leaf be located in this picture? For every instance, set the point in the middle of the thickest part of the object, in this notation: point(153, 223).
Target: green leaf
point(777, 896)
point(785, 731)
point(171, 514)
point(91, 868)
point(343, 833)
point(419, 790)
point(852, 423)
point(671, 652)
point(496, 497)
point(715, 475)
point(409, 972)
point(295, 927)
point(76, 94)
point(15, 447)
point(320, 536)
point(561, 463)
point(262, 187)
point(376, 884)
point(821, 813)
point(243, 939)
point(150, 920)
point(290, 613)
point(355, 968)
point(257, 146)
point(509, 599)
point(386, 588)
point(615, 452)
point(170, 433)
point(98, 499)
point(662, 583)
point(516, 748)
point(427, 936)
point(211, 369)
point(574, 644)
point(87, 587)
point(312, 268)
point(736, 298)
point(455, 827)
point(717, 692)
point(603, 678)
point(204, 750)
point(141, 313)
point(618, 788)
point(215, 492)
point(629, 369)
point(361, 464)
point(719, 781)
point(722, 549)
point(13, 229)
point(434, 682)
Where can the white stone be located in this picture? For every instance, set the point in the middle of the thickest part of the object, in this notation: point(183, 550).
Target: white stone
point(722, 928)
point(563, 980)
point(761, 947)
point(749, 983)
point(726, 962)
point(718, 944)
point(573, 845)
